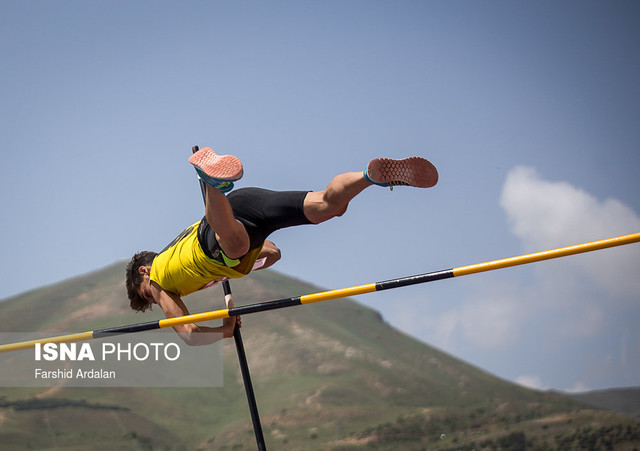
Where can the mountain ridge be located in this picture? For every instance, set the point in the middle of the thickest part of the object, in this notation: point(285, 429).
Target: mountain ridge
point(327, 375)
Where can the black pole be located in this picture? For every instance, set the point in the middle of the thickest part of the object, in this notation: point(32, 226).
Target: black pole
point(246, 377)
point(203, 187)
point(242, 357)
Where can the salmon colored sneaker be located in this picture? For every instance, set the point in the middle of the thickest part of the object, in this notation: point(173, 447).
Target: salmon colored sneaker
point(218, 171)
point(412, 171)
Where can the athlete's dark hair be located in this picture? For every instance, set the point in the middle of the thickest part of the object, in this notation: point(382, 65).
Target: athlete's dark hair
point(134, 278)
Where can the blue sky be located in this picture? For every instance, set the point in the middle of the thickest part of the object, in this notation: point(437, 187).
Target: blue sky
point(530, 111)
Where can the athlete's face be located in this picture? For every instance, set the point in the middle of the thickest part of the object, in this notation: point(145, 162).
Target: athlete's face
point(144, 290)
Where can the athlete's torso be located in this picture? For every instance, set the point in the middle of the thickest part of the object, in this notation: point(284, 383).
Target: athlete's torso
point(183, 267)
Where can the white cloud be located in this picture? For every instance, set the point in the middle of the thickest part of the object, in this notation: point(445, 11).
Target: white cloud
point(546, 215)
point(558, 320)
point(582, 303)
point(556, 213)
point(489, 321)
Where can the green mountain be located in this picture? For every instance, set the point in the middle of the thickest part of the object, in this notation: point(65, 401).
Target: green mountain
point(327, 376)
point(623, 400)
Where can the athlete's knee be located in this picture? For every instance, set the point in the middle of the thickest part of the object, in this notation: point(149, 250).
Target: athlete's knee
point(337, 210)
point(333, 205)
point(320, 206)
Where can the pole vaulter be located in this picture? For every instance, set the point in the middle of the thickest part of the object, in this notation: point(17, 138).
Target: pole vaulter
point(334, 294)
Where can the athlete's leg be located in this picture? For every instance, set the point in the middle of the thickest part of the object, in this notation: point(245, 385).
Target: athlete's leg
point(320, 206)
point(230, 233)
point(218, 172)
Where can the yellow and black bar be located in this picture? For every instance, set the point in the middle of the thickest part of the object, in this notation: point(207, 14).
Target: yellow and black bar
point(334, 294)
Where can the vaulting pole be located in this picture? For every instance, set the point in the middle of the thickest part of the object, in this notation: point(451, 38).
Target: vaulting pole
point(246, 377)
point(334, 294)
point(242, 356)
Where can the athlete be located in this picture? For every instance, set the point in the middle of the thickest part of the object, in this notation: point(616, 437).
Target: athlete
point(231, 239)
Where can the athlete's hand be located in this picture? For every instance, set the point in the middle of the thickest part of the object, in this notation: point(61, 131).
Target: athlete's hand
point(228, 326)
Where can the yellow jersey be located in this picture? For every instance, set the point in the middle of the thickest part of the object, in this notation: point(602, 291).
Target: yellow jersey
point(183, 268)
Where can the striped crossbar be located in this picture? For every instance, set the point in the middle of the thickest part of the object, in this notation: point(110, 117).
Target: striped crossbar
point(333, 294)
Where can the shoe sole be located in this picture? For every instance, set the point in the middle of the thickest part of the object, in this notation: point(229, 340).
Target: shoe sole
point(220, 167)
point(412, 171)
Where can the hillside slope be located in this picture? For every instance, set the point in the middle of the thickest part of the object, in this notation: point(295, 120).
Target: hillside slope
point(327, 376)
point(622, 400)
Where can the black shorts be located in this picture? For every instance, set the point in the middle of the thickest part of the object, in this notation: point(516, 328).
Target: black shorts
point(262, 212)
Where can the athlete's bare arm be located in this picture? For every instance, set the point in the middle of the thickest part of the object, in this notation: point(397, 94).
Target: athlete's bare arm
point(192, 334)
point(271, 252)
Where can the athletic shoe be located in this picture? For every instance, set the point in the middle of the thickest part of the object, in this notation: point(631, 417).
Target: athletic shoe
point(221, 185)
point(218, 171)
point(412, 171)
